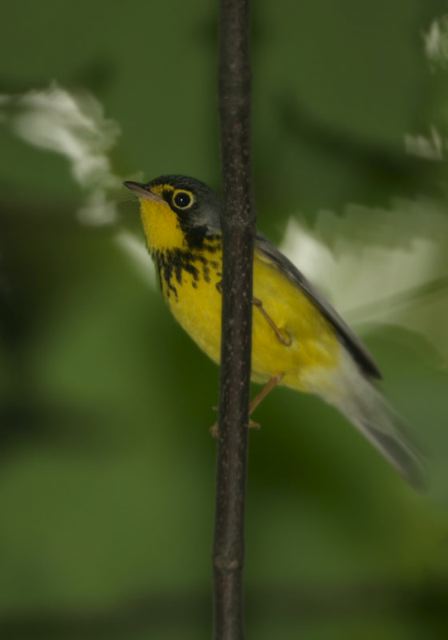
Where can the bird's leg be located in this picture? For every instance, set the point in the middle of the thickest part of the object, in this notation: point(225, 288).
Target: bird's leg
point(255, 402)
point(285, 339)
point(281, 335)
point(268, 387)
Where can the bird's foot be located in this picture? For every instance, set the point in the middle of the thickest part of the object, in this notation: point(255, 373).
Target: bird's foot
point(271, 384)
point(214, 429)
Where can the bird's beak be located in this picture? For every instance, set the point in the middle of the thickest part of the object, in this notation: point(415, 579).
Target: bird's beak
point(141, 191)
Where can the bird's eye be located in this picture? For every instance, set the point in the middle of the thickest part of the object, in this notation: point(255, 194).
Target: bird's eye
point(182, 199)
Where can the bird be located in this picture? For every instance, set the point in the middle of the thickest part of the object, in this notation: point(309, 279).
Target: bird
point(298, 339)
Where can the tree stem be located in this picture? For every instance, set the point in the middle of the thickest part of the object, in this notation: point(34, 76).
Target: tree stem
point(238, 227)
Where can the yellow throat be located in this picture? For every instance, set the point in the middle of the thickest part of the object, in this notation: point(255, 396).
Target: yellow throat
point(161, 225)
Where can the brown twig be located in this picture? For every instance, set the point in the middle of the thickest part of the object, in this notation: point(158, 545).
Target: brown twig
point(238, 233)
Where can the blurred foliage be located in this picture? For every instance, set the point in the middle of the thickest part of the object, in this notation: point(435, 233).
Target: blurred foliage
point(106, 464)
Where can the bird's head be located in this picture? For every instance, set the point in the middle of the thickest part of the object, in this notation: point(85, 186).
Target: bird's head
point(177, 212)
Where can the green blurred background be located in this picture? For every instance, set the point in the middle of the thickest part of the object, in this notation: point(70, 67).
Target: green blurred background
point(107, 468)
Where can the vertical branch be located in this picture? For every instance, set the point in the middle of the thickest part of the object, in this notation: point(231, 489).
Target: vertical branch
point(238, 227)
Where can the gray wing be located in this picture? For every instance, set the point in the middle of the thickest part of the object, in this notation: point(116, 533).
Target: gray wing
point(353, 344)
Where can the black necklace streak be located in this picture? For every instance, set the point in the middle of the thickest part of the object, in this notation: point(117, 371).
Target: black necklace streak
point(172, 263)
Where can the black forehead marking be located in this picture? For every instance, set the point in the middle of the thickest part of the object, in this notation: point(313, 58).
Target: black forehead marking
point(167, 195)
point(181, 182)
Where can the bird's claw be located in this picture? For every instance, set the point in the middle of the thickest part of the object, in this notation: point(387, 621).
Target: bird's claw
point(214, 431)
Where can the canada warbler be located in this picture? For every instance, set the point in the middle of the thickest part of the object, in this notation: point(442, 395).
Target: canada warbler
point(298, 339)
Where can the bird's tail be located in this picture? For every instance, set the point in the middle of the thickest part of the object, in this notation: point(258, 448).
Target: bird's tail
point(365, 407)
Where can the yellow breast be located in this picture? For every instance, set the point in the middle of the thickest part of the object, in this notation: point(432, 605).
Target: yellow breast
point(304, 343)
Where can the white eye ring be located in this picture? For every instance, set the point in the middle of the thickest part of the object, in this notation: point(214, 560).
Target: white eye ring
point(182, 199)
